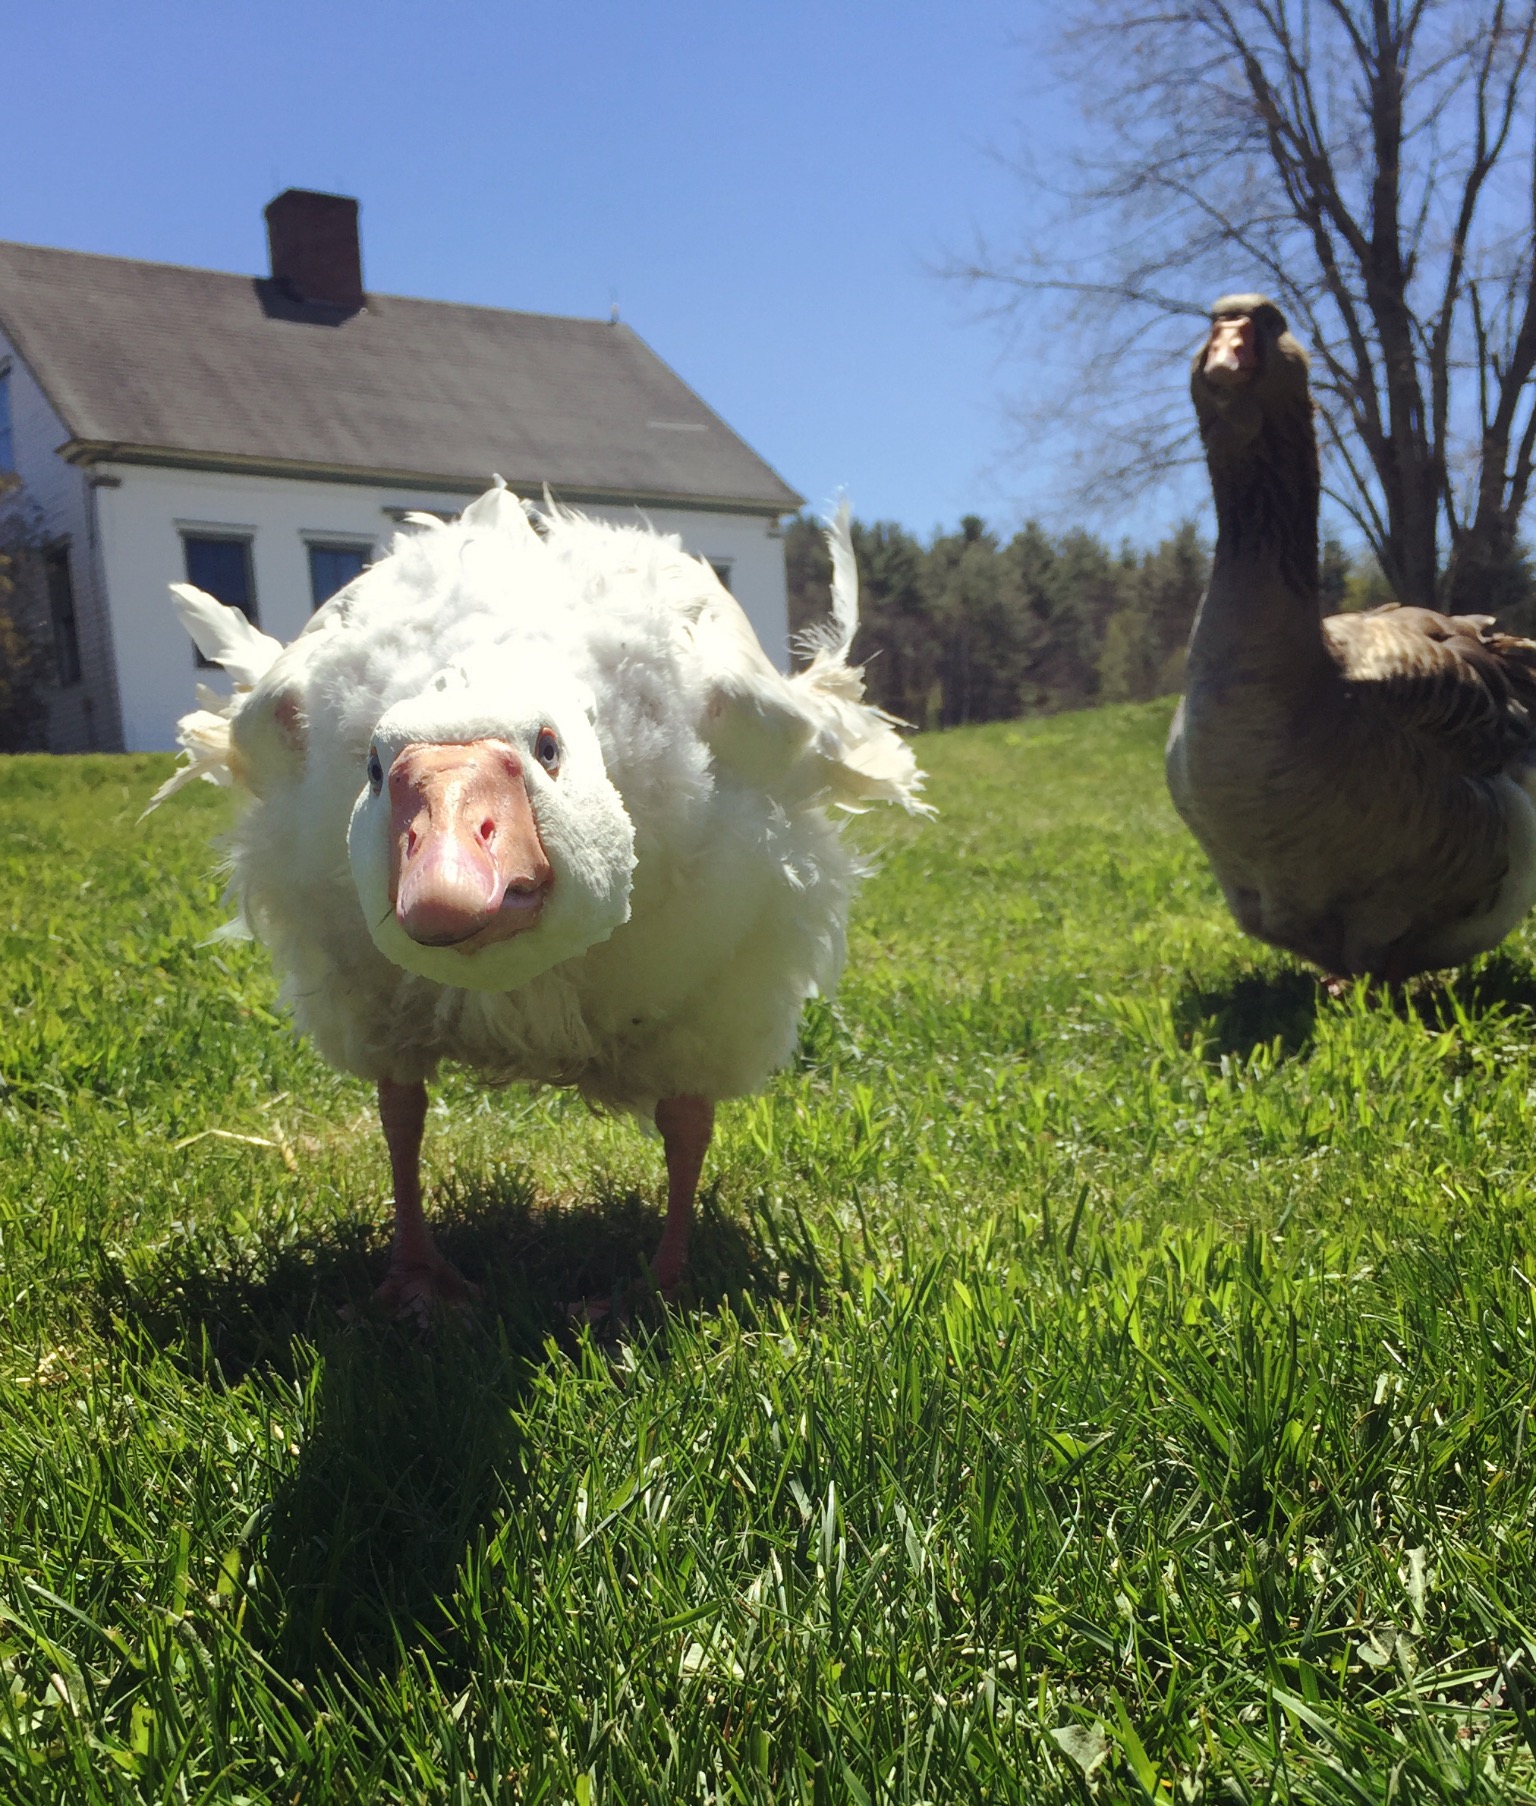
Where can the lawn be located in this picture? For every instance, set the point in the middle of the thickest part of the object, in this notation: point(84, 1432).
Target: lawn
point(1109, 1370)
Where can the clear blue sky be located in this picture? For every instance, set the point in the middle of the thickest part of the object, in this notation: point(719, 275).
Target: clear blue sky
point(764, 188)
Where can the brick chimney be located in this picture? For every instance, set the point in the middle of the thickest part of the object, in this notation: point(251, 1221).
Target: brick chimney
point(314, 245)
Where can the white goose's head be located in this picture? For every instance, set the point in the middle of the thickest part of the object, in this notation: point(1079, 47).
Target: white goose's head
point(487, 843)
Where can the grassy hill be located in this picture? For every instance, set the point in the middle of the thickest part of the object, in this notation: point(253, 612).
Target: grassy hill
point(1111, 1371)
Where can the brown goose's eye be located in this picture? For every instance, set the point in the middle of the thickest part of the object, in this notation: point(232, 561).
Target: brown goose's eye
point(375, 771)
point(546, 749)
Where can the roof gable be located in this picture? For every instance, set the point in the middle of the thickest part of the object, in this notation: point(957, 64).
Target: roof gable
point(198, 366)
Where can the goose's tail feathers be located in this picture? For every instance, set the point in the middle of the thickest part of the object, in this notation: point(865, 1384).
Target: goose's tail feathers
point(830, 640)
point(225, 637)
point(865, 758)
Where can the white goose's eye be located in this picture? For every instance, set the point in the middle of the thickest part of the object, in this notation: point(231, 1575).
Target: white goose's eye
point(375, 771)
point(546, 749)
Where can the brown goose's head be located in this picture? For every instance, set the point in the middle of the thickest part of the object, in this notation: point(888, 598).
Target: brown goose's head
point(1248, 371)
point(1254, 407)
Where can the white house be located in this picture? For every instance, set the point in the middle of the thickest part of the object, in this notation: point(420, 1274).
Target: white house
point(262, 436)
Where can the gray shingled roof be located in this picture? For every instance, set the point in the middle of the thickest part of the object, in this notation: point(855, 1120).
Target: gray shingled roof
point(153, 361)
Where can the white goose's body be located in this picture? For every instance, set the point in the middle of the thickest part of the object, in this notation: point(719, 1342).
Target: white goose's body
point(694, 888)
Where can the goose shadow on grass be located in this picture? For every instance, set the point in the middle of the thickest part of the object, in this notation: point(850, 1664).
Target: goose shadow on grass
point(222, 1304)
point(1252, 1008)
point(410, 1447)
point(1257, 1007)
point(1500, 983)
point(410, 1442)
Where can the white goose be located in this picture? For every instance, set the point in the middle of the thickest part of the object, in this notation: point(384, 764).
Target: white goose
point(533, 799)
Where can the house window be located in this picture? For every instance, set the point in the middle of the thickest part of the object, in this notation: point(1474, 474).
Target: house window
point(221, 565)
point(332, 567)
point(722, 569)
point(61, 610)
point(7, 437)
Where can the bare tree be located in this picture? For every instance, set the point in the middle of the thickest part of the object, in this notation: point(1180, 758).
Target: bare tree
point(1370, 164)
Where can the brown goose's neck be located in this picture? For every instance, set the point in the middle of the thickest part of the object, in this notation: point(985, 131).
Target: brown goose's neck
point(1266, 505)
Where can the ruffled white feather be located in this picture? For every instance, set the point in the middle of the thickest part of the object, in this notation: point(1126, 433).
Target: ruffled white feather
point(223, 635)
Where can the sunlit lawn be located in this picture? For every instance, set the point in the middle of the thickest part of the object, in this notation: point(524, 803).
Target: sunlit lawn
point(1110, 1367)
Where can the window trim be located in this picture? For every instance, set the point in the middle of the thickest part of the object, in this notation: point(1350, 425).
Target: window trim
point(214, 529)
point(397, 512)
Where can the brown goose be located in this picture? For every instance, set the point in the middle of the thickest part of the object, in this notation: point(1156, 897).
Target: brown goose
point(1362, 784)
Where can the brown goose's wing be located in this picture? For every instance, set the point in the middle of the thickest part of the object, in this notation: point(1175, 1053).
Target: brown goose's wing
point(1449, 679)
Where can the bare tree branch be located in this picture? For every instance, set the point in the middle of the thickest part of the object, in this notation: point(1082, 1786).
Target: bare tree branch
point(1353, 158)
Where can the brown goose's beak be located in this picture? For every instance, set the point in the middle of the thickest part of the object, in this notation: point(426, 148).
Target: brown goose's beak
point(466, 864)
point(1232, 354)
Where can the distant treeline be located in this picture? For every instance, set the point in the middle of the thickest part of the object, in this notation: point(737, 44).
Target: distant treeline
point(973, 628)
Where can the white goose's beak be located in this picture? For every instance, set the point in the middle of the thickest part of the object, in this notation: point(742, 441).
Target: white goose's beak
point(466, 865)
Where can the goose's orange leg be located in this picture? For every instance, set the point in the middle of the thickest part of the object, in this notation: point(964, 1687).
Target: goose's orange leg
point(418, 1278)
point(686, 1124)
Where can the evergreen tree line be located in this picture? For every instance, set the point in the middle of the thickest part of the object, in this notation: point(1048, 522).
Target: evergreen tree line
point(973, 628)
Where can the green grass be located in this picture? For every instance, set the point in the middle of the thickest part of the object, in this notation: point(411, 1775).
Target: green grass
point(1110, 1370)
